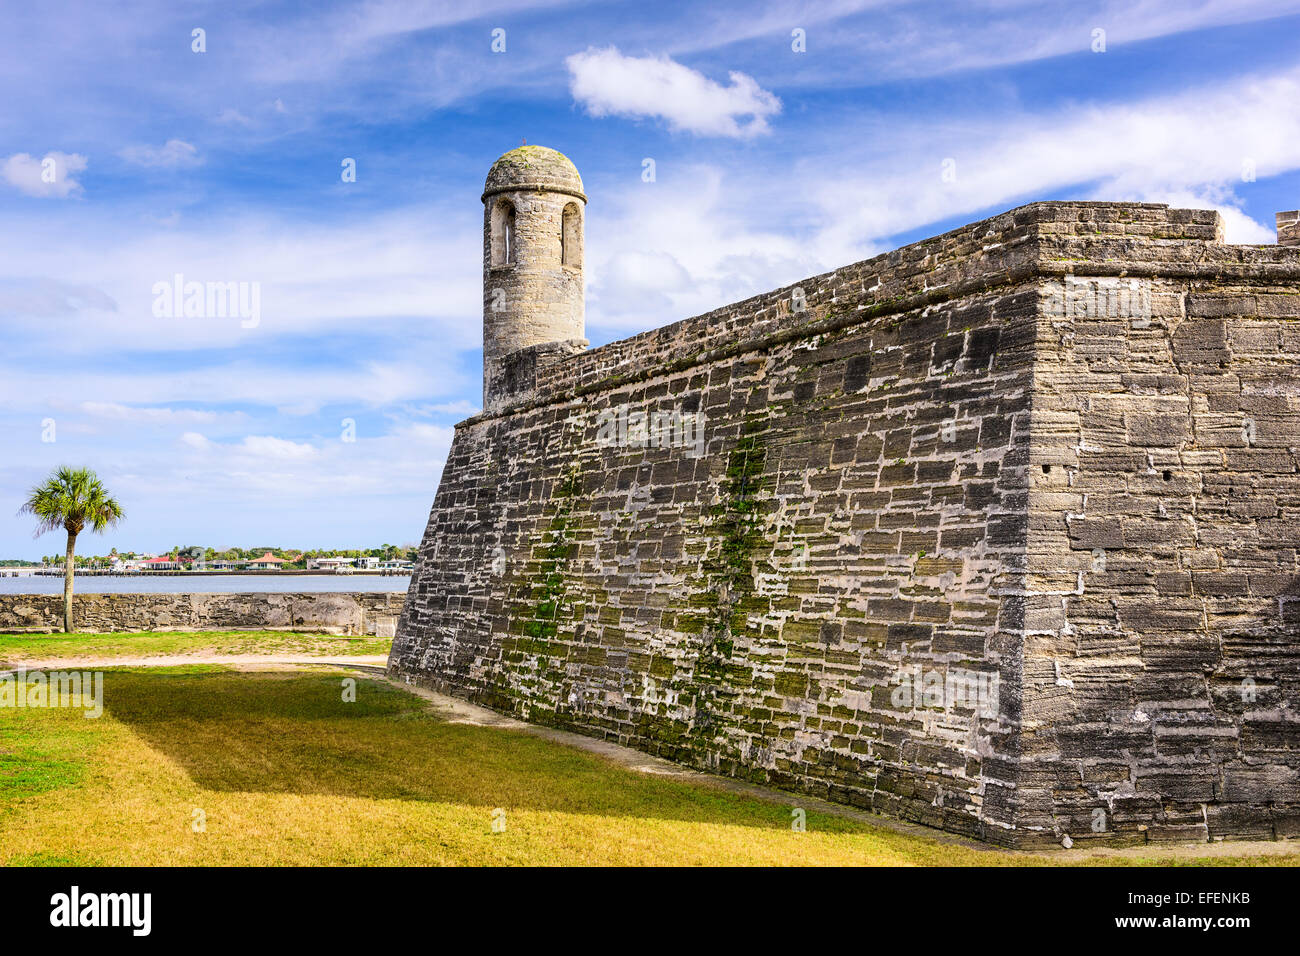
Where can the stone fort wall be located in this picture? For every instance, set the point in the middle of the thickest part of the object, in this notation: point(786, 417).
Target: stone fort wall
point(1162, 633)
point(921, 554)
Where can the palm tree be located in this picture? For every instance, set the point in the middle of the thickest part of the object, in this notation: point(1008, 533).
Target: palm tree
point(71, 498)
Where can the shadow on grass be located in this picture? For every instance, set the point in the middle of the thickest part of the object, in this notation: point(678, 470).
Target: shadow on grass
point(285, 732)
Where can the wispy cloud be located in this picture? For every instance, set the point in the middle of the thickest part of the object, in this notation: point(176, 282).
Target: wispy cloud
point(608, 83)
point(383, 268)
point(751, 231)
point(287, 389)
point(42, 297)
point(154, 415)
point(403, 461)
point(1203, 144)
point(268, 446)
point(645, 269)
point(174, 153)
point(52, 176)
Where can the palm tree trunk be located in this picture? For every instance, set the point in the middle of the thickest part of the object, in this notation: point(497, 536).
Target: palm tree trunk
point(67, 584)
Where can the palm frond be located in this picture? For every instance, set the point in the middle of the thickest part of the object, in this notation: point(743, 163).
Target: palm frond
point(72, 499)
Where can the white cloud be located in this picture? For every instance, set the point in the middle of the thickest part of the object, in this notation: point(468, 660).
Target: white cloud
point(1238, 227)
point(262, 384)
point(172, 154)
point(232, 116)
point(852, 43)
point(271, 470)
point(609, 83)
point(50, 177)
point(1188, 148)
point(392, 274)
point(1026, 30)
point(348, 494)
point(45, 298)
point(462, 408)
point(693, 242)
point(268, 446)
point(156, 416)
point(637, 282)
point(708, 236)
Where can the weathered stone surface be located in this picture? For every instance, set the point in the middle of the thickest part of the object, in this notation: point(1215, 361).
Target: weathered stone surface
point(1288, 228)
point(1056, 447)
point(337, 613)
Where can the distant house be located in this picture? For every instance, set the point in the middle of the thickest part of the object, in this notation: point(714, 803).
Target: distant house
point(163, 563)
point(368, 562)
point(221, 564)
point(267, 562)
point(330, 564)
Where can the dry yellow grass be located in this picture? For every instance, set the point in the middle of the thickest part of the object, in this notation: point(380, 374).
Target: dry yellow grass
point(285, 772)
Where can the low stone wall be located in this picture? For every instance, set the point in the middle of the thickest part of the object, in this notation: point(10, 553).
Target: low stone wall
point(335, 613)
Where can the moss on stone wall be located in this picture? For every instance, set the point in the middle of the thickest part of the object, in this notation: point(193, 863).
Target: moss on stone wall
point(734, 526)
point(548, 601)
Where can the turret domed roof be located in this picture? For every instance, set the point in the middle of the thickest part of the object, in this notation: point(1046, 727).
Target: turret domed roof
point(534, 167)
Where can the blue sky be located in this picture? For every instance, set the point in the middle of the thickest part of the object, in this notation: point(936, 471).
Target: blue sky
point(771, 165)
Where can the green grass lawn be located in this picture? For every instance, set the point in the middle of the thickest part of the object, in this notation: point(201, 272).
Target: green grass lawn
point(283, 771)
point(16, 648)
